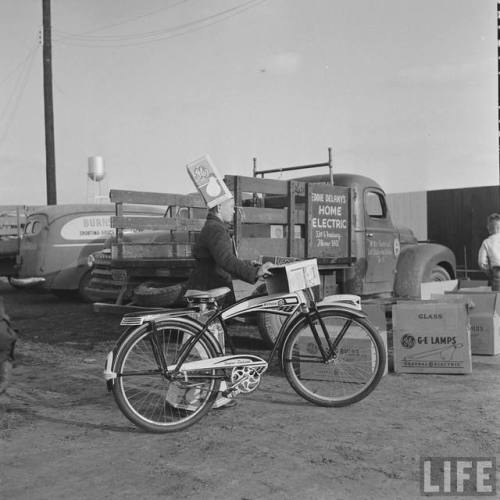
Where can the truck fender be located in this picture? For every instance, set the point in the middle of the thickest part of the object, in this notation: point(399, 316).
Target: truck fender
point(69, 278)
point(415, 265)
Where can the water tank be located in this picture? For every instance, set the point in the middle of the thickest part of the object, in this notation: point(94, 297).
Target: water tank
point(96, 168)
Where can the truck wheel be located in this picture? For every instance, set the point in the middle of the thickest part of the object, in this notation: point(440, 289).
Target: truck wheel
point(268, 324)
point(151, 294)
point(439, 273)
point(82, 287)
point(269, 327)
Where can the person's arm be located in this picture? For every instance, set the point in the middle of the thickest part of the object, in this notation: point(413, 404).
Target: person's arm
point(482, 259)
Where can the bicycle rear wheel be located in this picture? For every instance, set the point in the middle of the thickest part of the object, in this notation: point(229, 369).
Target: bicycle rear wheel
point(353, 371)
point(152, 399)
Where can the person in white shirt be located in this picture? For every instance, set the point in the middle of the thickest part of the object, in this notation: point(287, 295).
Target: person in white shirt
point(489, 252)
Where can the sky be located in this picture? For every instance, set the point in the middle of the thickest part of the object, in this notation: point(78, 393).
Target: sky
point(403, 91)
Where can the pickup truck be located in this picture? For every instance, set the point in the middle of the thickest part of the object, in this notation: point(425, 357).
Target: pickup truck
point(346, 226)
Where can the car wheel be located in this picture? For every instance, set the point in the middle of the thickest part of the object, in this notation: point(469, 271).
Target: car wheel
point(83, 292)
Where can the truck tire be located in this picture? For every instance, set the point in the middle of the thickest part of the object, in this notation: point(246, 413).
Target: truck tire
point(439, 273)
point(83, 292)
point(269, 326)
point(152, 294)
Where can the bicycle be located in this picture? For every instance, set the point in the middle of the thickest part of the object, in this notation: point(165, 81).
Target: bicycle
point(168, 368)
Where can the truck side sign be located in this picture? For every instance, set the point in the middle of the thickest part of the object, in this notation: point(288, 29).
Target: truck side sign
point(88, 227)
point(328, 212)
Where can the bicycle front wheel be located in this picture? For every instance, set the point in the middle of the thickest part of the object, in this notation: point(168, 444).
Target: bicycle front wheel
point(349, 374)
point(153, 399)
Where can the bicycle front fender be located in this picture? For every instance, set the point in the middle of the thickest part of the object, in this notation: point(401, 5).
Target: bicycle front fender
point(345, 308)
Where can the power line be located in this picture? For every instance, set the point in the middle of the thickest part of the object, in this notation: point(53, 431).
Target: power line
point(126, 21)
point(15, 98)
point(20, 64)
point(158, 35)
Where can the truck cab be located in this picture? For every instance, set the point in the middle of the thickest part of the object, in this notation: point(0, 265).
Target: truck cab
point(389, 260)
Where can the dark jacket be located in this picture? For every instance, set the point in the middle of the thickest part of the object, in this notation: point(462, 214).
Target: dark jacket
point(216, 260)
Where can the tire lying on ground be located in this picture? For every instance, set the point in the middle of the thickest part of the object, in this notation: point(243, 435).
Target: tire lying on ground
point(158, 295)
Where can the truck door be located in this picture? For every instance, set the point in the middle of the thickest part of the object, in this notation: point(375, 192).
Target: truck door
point(381, 243)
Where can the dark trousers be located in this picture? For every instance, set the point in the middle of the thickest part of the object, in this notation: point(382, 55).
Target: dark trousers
point(495, 278)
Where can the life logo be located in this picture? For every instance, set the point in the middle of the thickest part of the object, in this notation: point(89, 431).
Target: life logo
point(408, 341)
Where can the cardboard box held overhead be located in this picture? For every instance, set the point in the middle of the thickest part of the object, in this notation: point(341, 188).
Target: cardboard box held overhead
point(208, 181)
point(484, 320)
point(431, 337)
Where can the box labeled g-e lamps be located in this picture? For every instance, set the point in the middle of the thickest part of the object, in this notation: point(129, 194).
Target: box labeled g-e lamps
point(431, 336)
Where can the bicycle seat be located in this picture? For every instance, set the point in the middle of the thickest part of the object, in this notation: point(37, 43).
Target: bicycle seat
point(204, 295)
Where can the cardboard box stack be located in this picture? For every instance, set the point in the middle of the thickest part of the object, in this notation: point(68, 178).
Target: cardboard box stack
point(484, 319)
point(431, 336)
point(375, 311)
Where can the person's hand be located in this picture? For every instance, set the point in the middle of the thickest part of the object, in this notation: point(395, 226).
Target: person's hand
point(264, 270)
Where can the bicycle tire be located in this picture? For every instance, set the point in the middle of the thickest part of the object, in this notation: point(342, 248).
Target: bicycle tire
point(146, 396)
point(358, 365)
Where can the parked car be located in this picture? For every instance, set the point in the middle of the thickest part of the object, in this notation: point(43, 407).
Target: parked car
point(57, 242)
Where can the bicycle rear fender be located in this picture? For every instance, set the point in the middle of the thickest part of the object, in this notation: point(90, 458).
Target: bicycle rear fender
point(110, 364)
point(181, 319)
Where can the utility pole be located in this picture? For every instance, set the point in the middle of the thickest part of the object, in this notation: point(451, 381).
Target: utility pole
point(498, 68)
point(50, 157)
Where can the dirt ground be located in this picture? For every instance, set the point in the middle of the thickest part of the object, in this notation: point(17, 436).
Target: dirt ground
point(63, 437)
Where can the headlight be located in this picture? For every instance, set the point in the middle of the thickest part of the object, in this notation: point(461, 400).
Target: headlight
point(90, 260)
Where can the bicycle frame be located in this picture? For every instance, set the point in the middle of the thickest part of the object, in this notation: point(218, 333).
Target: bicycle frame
point(293, 305)
point(281, 304)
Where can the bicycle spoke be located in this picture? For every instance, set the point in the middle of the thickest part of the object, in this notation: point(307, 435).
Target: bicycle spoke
point(148, 395)
point(349, 373)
